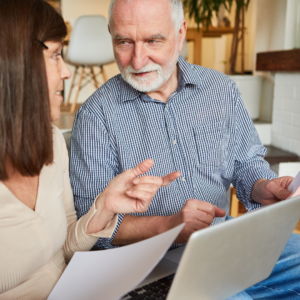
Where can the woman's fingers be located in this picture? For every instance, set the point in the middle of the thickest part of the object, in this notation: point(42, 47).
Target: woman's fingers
point(161, 181)
point(141, 168)
point(142, 195)
point(124, 180)
point(170, 177)
point(142, 189)
point(149, 187)
point(148, 180)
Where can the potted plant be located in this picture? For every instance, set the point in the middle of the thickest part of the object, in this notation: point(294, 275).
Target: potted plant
point(201, 11)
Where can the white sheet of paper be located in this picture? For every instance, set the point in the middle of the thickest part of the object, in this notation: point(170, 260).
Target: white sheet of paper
point(109, 274)
point(294, 187)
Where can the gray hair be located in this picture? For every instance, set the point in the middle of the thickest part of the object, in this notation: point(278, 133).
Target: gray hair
point(177, 13)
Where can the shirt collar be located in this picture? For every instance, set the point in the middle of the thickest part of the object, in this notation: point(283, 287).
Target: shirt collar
point(127, 92)
point(186, 75)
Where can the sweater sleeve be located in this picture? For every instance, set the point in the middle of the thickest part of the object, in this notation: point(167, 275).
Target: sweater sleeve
point(77, 239)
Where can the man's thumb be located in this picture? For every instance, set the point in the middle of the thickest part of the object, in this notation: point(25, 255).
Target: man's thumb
point(283, 194)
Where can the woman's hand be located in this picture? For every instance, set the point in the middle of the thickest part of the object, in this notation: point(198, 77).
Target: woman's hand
point(128, 193)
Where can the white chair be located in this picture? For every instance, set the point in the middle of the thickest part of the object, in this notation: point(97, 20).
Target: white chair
point(90, 45)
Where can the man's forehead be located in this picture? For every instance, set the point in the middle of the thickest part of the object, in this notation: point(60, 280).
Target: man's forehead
point(139, 23)
point(141, 11)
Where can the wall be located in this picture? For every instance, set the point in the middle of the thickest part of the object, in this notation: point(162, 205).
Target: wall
point(292, 17)
point(271, 19)
point(275, 31)
point(72, 9)
point(270, 36)
point(286, 112)
point(281, 91)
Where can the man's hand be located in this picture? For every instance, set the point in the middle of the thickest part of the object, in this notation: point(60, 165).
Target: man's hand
point(271, 191)
point(196, 215)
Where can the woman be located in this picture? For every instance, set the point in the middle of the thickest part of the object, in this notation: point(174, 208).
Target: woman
point(39, 230)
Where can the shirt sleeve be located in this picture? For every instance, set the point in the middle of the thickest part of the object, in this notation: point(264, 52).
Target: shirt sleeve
point(93, 164)
point(249, 165)
point(77, 239)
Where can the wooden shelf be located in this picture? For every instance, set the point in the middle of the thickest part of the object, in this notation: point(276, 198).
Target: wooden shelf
point(196, 36)
point(276, 156)
point(279, 61)
point(212, 32)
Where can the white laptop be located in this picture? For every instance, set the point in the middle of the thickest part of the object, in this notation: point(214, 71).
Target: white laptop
point(225, 259)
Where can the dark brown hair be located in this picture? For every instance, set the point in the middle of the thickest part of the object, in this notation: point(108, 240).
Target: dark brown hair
point(25, 124)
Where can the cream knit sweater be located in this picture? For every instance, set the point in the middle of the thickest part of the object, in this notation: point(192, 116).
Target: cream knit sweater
point(34, 245)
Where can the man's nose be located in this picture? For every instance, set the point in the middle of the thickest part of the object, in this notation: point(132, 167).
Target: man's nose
point(140, 57)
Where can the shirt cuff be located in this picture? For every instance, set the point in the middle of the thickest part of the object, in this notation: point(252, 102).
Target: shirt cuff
point(83, 223)
point(244, 188)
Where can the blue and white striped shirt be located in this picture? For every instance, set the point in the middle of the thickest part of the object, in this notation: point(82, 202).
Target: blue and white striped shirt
point(203, 131)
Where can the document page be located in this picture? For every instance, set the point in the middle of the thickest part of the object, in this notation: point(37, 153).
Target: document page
point(110, 274)
point(294, 187)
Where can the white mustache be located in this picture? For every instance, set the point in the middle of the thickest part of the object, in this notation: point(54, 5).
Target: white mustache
point(145, 69)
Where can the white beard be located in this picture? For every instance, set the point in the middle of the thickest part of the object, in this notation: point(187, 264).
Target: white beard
point(159, 75)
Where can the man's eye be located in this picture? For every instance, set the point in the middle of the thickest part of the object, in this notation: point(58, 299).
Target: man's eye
point(152, 41)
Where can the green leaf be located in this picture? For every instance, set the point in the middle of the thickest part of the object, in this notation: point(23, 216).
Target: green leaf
point(201, 11)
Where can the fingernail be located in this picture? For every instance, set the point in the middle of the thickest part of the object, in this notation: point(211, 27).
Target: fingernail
point(136, 181)
point(129, 192)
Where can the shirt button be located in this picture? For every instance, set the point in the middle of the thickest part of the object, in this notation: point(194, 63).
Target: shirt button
point(182, 178)
point(167, 105)
point(174, 142)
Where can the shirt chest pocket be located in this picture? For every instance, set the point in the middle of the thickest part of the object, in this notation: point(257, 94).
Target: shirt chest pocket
point(208, 139)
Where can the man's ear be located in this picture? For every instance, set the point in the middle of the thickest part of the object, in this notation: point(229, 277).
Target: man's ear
point(182, 34)
point(109, 29)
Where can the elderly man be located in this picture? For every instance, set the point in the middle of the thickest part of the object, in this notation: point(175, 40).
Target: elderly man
point(186, 118)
